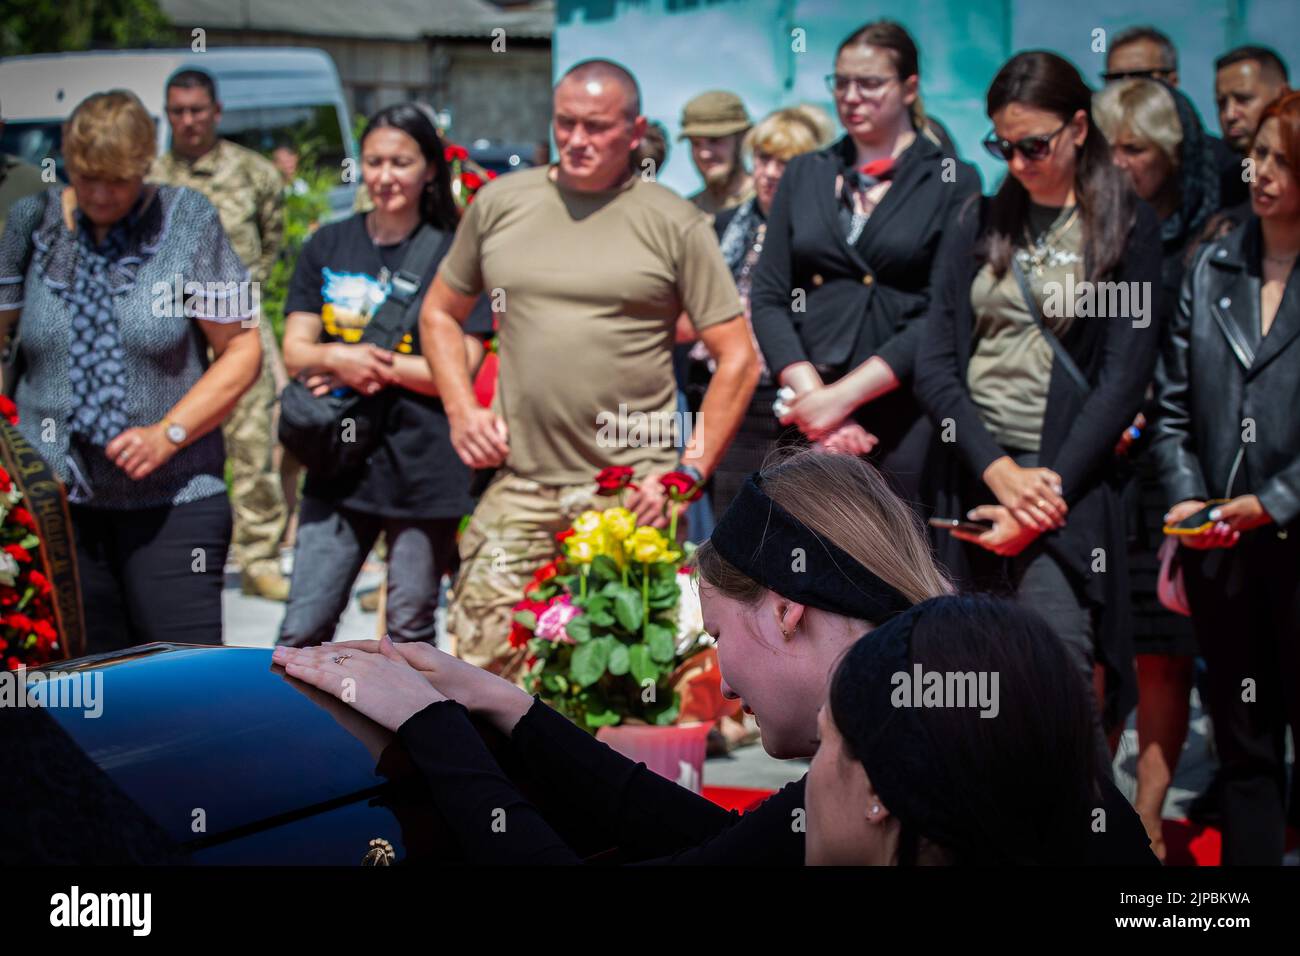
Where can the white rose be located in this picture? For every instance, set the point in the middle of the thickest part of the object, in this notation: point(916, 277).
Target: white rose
point(690, 616)
point(8, 569)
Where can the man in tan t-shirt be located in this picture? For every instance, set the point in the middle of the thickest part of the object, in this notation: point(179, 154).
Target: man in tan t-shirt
point(588, 266)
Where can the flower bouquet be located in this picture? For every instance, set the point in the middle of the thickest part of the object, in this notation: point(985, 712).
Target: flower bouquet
point(609, 621)
point(467, 176)
point(28, 637)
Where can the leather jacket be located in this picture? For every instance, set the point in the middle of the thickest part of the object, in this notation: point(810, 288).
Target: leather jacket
point(1227, 397)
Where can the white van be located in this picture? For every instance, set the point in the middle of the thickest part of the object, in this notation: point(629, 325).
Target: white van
point(269, 95)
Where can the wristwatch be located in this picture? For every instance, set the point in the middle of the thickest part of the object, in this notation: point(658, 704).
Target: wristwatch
point(692, 472)
point(176, 432)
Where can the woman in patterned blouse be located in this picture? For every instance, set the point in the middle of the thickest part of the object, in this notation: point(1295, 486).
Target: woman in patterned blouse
point(122, 288)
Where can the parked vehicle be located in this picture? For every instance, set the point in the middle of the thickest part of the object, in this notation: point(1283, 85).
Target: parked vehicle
point(270, 96)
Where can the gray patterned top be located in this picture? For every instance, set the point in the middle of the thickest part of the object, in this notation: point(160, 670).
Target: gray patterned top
point(176, 239)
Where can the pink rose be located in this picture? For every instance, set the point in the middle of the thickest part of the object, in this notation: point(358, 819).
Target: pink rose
point(551, 624)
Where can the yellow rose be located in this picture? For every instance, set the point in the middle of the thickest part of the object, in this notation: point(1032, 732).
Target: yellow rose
point(648, 545)
point(587, 522)
point(618, 522)
point(581, 548)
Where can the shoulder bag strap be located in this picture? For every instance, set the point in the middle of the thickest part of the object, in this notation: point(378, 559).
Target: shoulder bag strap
point(1065, 359)
point(393, 320)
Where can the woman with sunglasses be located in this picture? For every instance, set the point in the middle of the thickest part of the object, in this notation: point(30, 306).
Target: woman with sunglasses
point(1036, 383)
point(845, 269)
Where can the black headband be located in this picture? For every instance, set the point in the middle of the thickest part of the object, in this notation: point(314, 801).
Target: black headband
point(770, 545)
point(891, 742)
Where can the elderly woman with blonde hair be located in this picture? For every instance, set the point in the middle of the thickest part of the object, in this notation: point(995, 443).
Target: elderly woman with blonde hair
point(1157, 139)
point(113, 292)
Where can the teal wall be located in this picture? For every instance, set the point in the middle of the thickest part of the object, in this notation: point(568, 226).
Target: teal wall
point(677, 48)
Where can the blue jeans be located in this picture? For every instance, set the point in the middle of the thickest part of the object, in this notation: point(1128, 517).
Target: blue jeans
point(333, 543)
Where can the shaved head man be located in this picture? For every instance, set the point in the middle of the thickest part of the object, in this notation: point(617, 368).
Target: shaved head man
point(598, 124)
point(592, 264)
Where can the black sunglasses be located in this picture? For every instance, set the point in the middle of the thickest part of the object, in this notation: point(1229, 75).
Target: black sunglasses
point(1135, 75)
point(1033, 148)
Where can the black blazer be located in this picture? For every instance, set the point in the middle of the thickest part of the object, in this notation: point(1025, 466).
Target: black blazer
point(1216, 371)
point(1080, 429)
point(861, 300)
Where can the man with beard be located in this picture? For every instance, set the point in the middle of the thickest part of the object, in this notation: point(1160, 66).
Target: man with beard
point(716, 122)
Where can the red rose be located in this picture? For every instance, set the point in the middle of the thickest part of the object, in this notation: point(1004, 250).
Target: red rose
point(546, 571)
point(560, 536)
point(454, 152)
point(19, 553)
point(470, 181)
point(681, 486)
point(13, 663)
point(44, 630)
point(5, 481)
point(613, 479)
point(9, 410)
point(40, 582)
point(24, 519)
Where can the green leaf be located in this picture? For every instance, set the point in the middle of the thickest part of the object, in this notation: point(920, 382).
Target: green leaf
point(527, 618)
point(669, 714)
point(589, 661)
point(579, 628)
point(660, 641)
point(598, 609)
point(627, 609)
point(603, 568)
point(619, 660)
point(607, 717)
point(29, 542)
point(640, 664)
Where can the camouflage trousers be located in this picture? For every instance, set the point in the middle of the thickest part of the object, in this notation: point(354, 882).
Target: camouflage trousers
point(510, 535)
point(256, 492)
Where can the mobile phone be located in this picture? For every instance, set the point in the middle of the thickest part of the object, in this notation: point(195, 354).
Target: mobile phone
point(1198, 522)
point(961, 524)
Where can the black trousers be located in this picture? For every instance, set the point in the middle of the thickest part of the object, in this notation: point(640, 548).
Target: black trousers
point(152, 574)
point(1245, 604)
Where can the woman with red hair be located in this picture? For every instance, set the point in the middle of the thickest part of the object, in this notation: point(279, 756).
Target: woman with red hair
point(1227, 435)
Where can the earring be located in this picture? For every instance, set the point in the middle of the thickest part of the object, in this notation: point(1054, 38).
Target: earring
point(875, 809)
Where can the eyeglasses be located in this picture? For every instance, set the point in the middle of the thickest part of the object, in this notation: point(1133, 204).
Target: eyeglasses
point(1135, 75)
point(1033, 148)
point(839, 83)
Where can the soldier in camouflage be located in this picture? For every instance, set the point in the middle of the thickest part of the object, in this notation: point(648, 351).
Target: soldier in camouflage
point(247, 192)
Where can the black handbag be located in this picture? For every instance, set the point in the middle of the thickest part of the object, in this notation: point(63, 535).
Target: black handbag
point(334, 433)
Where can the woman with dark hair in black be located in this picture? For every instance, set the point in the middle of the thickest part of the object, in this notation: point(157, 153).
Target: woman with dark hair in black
point(845, 272)
point(412, 486)
point(957, 733)
point(1039, 345)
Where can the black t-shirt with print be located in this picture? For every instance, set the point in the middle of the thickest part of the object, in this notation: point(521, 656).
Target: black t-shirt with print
point(413, 471)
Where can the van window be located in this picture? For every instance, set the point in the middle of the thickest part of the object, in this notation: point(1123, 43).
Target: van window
point(314, 130)
point(33, 141)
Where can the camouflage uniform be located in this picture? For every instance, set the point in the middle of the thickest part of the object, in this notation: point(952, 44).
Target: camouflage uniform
point(247, 192)
point(17, 179)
